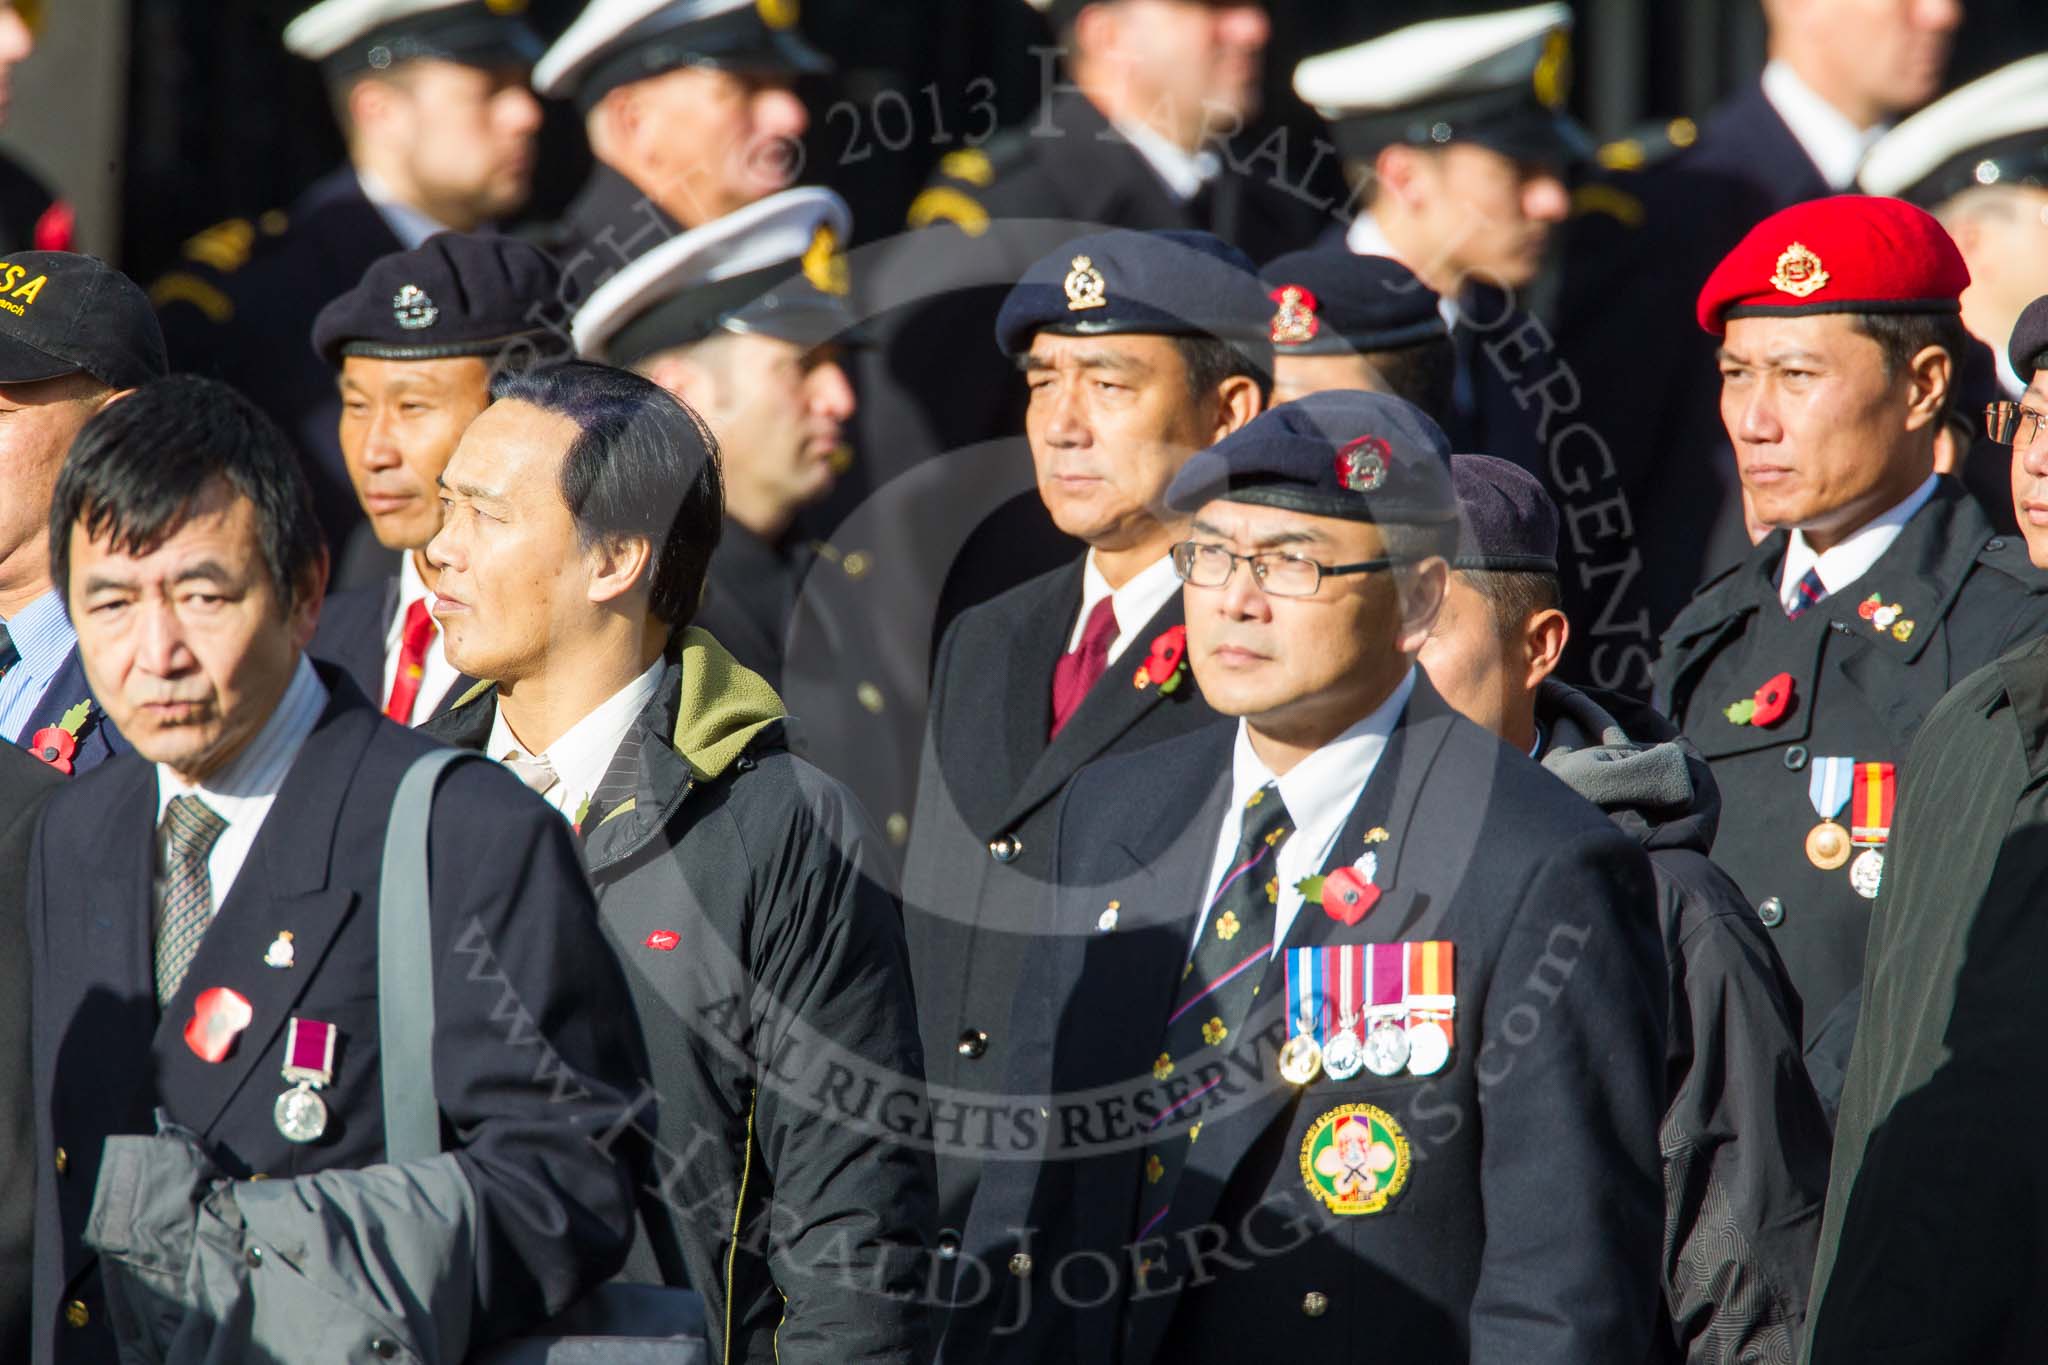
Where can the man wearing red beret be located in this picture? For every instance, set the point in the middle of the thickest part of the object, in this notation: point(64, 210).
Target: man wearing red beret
point(1803, 672)
point(1931, 1250)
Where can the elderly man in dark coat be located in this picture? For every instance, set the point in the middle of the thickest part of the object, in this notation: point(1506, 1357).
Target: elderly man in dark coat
point(1934, 1246)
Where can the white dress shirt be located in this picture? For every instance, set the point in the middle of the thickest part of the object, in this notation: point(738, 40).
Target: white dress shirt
point(585, 750)
point(243, 792)
point(407, 224)
point(1365, 238)
point(1835, 145)
point(1136, 602)
point(1318, 792)
point(437, 675)
point(1181, 171)
point(1848, 561)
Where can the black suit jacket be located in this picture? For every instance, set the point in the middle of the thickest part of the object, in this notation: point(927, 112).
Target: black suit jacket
point(977, 880)
point(24, 785)
point(354, 623)
point(532, 1054)
point(98, 740)
point(1529, 1225)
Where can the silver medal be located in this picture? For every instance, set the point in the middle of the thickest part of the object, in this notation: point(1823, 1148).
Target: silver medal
point(301, 1115)
point(1867, 873)
point(1386, 1049)
point(1429, 1047)
point(1344, 1056)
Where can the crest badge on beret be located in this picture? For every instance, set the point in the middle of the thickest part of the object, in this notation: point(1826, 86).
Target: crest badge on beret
point(824, 265)
point(1294, 321)
point(412, 309)
point(1085, 286)
point(1362, 464)
point(1799, 272)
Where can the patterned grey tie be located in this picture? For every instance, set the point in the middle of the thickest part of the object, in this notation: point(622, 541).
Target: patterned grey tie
point(191, 828)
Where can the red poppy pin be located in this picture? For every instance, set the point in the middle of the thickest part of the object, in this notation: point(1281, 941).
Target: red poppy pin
point(1347, 895)
point(218, 1017)
point(1166, 665)
point(664, 940)
point(57, 744)
point(1767, 707)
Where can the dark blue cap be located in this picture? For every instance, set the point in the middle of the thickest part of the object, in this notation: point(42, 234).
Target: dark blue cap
point(455, 294)
point(1156, 283)
point(1332, 301)
point(2028, 348)
point(1340, 453)
point(1509, 524)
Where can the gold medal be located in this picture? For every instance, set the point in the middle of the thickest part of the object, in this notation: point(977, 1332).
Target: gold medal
point(1300, 1060)
point(1827, 846)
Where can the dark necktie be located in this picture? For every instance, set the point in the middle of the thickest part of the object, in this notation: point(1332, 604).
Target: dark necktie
point(1077, 671)
point(9, 655)
point(192, 828)
point(1216, 990)
point(1810, 591)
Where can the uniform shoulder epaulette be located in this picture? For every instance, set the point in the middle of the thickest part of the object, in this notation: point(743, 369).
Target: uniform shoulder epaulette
point(209, 257)
point(1611, 193)
point(954, 194)
point(2008, 555)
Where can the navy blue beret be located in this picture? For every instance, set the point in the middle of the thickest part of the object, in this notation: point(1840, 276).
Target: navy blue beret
point(455, 294)
point(1332, 301)
point(1509, 524)
point(1158, 283)
point(1340, 453)
point(2028, 349)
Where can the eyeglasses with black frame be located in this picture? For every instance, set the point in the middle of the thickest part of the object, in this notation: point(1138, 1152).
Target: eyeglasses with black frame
point(1202, 565)
point(2014, 424)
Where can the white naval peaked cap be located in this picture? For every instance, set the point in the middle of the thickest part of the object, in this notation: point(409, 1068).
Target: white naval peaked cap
point(378, 33)
point(1993, 131)
point(615, 41)
point(770, 240)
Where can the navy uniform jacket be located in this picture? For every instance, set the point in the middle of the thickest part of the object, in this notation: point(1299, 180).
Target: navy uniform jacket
point(737, 885)
point(1858, 692)
point(98, 740)
point(30, 218)
point(977, 880)
point(24, 785)
point(608, 225)
point(240, 306)
point(515, 940)
point(354, 623)
point(1527, 1229)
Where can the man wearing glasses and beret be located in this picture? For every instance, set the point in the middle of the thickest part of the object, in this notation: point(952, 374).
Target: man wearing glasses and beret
point(1944, 1098)
point(1351, 1017)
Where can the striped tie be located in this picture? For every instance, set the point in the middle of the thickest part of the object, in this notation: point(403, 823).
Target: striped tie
point(1216, 992)
point(191, 829)
point(1809, 592)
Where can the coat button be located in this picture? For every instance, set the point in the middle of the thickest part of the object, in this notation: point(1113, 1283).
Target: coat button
point(949, 1245)
point(1795, 757)
point(75, 1313)
point(62, 1161)
point(972, 1044)
point(1771, 912)
point(1995, 543)
point(256, 1258)
point(383, 1347)
point(1020, 1264)
point(1315, 1303)
point(1005, 848)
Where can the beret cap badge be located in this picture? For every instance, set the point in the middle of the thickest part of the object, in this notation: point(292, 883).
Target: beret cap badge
point(1362, 464)
point(1294, 321)
point(412, 309)
point(1085, 286)
point(1799, 272)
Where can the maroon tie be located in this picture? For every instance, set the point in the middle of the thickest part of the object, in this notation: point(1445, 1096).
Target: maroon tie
point(1075, 673)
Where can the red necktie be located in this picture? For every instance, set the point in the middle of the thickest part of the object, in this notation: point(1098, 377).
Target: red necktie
point(1076, 672)
point(412, 661)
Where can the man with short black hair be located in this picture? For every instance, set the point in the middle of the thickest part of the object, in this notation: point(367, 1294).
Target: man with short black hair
point(74, 334)
point(1802, 672)
point(440, 126)
point(736, 882)
point(203, 912)
point(1743, 1136)
point(1113, 332)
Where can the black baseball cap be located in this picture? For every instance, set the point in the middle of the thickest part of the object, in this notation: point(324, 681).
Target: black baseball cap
point(65, 313)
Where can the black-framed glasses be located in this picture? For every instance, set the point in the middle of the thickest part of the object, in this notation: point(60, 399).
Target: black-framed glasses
point(2013, 424)
point(1283, 575)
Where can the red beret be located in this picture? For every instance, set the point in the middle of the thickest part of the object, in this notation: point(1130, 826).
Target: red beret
point(1854, 253)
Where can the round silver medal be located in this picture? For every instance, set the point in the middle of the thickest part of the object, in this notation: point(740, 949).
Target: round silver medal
point(1386, 1049)
point(1867, 873)
point(301, 1115)
point(1429, 1047)
point(1344, 1056)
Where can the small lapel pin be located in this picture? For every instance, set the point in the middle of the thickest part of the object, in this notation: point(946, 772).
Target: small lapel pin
point(280, 952)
